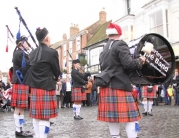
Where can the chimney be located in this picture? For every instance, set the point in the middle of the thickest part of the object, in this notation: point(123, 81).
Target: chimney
point(64, 36)
point(74, 29)
point(102, 15)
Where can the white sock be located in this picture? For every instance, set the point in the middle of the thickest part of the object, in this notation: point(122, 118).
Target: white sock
point(131, 129)
point(36, 127)
point(74, 109)
point(44, 127)
point(150, 106)
point(145, 105)
point(114, 129)
point(17, 123)
point(78, 109)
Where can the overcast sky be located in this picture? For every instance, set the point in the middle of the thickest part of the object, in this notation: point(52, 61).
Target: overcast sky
point(55, 15)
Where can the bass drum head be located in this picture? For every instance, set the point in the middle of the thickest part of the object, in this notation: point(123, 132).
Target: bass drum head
point(159, 65)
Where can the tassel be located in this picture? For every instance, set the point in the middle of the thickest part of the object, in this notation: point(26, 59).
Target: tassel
point(7, 48)
point(23, 63)
point(137, 127)
point(18, 36)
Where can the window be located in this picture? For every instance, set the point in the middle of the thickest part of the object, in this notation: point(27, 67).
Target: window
point(156, 23)
point(78, 43)
point(94, 55)
point(70, 47)
point(125, 33)
point(64, 50)
point(64, 63)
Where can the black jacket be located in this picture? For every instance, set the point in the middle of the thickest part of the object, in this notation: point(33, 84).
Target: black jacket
point(44, 72)
point(17, 61)
point(77, 79)
point(117, 62)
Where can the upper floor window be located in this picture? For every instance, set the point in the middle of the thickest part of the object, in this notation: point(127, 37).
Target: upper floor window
point(125, 33)
point(64, 50)
point(70, 47)
point(156, 22)
point(78, 43)
point(94, 55)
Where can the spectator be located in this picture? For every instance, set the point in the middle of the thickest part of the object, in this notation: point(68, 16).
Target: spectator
point(58, 89)
point(63, 93)
point(67, 98)
point(88, 92)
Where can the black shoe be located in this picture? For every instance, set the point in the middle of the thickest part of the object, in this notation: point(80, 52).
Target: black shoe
point(80, 117)
point(23, 134)
point(77, 118)
point(51, 123)
point(150, 114)
point(144, 113)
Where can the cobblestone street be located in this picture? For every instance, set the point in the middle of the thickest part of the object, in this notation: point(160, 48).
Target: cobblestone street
point(164, 124)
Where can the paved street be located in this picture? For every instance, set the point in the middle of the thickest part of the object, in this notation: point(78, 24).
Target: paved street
point(164, 124)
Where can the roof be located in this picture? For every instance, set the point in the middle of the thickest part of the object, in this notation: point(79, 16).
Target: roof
point(99, 35)
point(57, 44)
point(149, 3)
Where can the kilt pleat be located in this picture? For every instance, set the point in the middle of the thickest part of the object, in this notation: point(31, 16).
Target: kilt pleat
point(117, 106)
point(146, 94)
point(20, 95)
point(77, 95)
point(43, 104)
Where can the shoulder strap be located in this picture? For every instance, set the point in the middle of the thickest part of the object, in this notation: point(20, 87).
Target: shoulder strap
point(110, 44)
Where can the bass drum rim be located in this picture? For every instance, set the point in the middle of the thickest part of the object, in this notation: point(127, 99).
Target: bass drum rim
point(137, 54)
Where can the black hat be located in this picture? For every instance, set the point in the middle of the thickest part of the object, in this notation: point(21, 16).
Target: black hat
point(41, 34)
point(17, 42)
point(22, 38)
point(75, 61)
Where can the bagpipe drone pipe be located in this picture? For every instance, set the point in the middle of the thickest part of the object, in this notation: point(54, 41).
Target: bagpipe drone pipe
point(20, 41)
point(85, 74)
point(160, 60)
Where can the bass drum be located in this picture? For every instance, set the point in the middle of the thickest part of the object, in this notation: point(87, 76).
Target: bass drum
point(160, 63)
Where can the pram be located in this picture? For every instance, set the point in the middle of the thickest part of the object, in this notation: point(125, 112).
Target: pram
point(5, 100)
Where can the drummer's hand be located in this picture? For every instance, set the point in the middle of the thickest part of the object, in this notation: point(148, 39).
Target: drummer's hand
point(143, 59)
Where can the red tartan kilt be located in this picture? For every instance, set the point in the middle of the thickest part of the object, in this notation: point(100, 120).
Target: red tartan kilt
point(77, 95)
point(117, 106)
point(43, 104)
point(146, 94)
point(20, 95)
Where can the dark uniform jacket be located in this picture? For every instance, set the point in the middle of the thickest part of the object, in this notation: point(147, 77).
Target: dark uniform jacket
point(17, 61)
point(44, 71)
point(116, 61)
point(77, 79)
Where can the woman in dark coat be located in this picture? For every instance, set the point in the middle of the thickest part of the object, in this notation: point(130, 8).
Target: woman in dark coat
point(77, 83)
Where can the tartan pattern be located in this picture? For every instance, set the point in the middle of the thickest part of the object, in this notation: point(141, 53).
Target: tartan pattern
point(43, 104)
point(20, 94)
point(117, 106)
point(146, 94)
point(77, 95)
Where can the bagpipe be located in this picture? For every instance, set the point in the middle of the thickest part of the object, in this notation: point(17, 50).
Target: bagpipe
point(22, 39)
point(85, 75)
point(160, 60)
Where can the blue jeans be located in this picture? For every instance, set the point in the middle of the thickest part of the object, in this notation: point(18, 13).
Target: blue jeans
point(93, 97)
point(166, 99)
point(176, 96)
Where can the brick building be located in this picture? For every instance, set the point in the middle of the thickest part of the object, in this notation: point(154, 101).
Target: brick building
point(77, 41)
